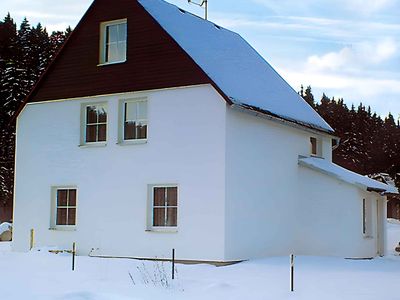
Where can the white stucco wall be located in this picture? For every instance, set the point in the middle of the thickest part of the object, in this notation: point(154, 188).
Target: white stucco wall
point(330, 217)
point(242, 193)
point(186, 146)
point(261, 185)
point(276, 207)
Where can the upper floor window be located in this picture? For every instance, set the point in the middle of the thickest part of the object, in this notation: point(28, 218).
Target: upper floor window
point(135, 120)
point(113, 41)
point(95, 124)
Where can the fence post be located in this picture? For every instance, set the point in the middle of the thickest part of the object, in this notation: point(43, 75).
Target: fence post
point(292, 273)
point(173, 264)
point(32, 239)
point(73, 255)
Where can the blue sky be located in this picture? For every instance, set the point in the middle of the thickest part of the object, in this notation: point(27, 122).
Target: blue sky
point(345, 48)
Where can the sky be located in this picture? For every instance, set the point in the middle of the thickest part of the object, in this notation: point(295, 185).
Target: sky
point(345, 48)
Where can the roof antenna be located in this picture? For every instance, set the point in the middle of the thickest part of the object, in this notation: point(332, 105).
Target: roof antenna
point(203, 3)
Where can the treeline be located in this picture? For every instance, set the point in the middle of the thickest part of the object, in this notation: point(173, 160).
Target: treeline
point(24, 54)
point(368, 143)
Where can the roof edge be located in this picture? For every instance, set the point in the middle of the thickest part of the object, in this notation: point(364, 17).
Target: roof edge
point(368, 188)
point(259, 112)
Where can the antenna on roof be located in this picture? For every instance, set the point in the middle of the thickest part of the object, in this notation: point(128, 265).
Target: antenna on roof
point(203, 3)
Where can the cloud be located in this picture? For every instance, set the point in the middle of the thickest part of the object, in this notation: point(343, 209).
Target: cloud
point(368, 7)
point(311, 28)
point(355, 7)
point(51, 14)
point(359, 55)
point(382, 94)
point(331, 60)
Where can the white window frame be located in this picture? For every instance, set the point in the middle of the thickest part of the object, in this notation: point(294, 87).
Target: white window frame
point(103, 38)
point(318, 146)
point(121, 131)
point(53, 213)
point(84, 106)
point(150, 209)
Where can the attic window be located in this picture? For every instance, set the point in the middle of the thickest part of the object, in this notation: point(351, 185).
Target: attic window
point(113, 41)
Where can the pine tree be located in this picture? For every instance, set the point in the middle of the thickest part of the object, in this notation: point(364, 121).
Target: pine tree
point(24, 55)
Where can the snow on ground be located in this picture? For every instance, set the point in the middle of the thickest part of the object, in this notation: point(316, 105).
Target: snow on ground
point(41, 275)
point(393, 236)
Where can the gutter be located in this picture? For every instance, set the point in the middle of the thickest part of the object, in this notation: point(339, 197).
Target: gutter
point(381, 191)
point(258, 112)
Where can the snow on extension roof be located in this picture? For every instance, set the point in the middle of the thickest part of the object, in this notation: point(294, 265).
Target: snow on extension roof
point(234, 66)
point(331, 169)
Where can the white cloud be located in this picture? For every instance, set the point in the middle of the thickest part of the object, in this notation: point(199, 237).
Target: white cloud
point(358, 7)
point(331, 60)
point(359, 55)
point(367, 7)
point(380, 93)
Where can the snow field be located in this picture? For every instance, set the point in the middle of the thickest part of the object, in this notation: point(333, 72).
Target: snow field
point(41, 275)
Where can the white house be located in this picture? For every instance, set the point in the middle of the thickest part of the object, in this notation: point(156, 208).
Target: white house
point(154, 129)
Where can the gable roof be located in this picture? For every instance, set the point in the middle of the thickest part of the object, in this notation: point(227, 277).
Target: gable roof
point(336, 171)
point(235, 67)
point(199, 51)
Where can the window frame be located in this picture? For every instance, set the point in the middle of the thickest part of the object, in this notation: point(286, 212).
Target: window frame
point(318, 146)
point(366, 215)
point(54, 207)
point(103, 31)
point(121, 125)
point(150, 209)
point(84, 124)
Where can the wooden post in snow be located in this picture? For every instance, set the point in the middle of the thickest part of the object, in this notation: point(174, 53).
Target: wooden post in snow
point(73, 255)
point(32, 239)
point(292, 273)
point(173, 264)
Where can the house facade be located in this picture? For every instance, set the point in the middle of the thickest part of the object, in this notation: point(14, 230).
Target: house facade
point(142, 137)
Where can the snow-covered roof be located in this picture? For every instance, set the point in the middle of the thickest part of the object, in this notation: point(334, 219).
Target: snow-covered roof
point(383, 177)
point(236, 68)
point(329, 168)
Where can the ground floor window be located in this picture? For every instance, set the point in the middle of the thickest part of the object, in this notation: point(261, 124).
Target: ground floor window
point(164, 206)
point(64, 207)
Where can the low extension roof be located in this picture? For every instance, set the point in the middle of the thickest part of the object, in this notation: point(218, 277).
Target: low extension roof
point(326, 167)
point(236, 68)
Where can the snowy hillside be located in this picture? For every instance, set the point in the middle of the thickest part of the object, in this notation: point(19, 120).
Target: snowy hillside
point(43, 276)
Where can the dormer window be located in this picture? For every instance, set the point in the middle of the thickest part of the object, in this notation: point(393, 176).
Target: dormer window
point(113, 42)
